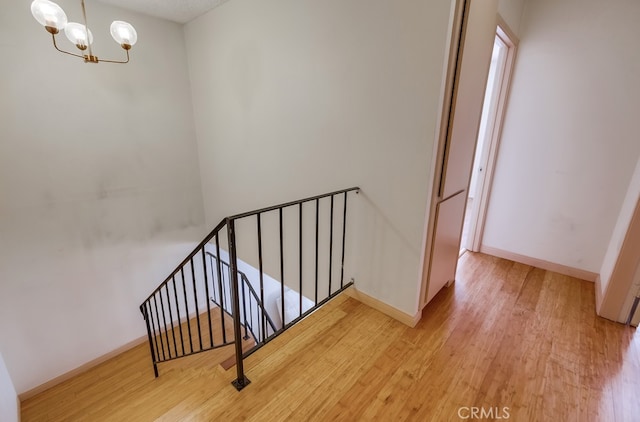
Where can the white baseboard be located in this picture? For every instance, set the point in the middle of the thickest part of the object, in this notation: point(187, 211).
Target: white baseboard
point(540, 263)
point(398, 315)
point(80, 369)
point(598, 288)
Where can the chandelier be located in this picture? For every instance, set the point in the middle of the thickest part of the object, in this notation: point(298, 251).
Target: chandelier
point(54, 20)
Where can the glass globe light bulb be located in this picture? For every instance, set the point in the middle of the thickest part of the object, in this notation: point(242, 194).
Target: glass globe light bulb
point(76, 33)
point(49, 14)
point(124, 34)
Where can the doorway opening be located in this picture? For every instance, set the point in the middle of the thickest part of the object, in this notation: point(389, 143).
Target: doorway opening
point(493, 108)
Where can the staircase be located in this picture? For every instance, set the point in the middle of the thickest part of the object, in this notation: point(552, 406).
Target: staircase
point(215, 299)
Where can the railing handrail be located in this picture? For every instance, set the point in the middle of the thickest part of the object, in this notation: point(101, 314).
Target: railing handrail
point(245, 279)
point(289, 204)
point(235, 217)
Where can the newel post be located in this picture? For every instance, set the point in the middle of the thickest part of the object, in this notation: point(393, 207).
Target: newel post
point(241, 381)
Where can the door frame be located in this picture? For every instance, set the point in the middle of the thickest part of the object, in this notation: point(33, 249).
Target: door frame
point(459, 21)
point(485, 182)
point(445, 120)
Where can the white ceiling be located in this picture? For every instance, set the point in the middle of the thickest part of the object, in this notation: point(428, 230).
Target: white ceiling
point(181, 11)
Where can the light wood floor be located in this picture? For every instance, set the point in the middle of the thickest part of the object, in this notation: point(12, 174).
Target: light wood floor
point(504, 335)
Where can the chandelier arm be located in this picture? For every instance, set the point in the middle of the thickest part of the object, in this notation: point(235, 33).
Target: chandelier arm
point(53, 37)
point(117, 61)
point(86, 27)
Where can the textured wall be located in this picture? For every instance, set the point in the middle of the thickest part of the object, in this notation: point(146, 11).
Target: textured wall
point(99, 187)
point(295, 98)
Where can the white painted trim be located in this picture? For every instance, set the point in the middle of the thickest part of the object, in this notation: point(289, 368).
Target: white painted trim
point(81, 369)
point(634, 291)
point(481, 203)
point(437, 163)
point(540, 263)
point(436, 157)
point(395, 313)
point(598, 295)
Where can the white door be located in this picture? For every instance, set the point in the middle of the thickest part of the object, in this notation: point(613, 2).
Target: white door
point(493, 110)
point(472, 67)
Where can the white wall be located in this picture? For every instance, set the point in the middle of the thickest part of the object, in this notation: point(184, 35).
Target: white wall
point(271, 291)
point(570, 138)
point(511, 11)
point(294, 98)
point(9, 404)
point(99, 187)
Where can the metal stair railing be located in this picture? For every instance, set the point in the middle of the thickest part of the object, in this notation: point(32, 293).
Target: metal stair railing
point(179, 313)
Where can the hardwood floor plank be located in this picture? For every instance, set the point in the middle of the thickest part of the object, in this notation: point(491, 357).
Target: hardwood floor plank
point(325, 395)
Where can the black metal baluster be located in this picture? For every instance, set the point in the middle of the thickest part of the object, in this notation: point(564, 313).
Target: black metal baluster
point(221, 303)
point(260, 336)
point(244, 308)
point(155, 304)
point(317, 225)
point(229, 279)
point(153, 327)
point(145, 314)
point(263, 334)
point(206, 289)
point(186, 305)
point(344, 236)
point(215, 293)
point(259, 316)
point(195, 299)
point(225, 303)
point(164, 320)
point(241, 381)
point(175, 294)
point(330, 245)
point(213, 279)
point(264, 319)
point(251, 315)
point(173, 331)
point(256, 329)
point(281, 269)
